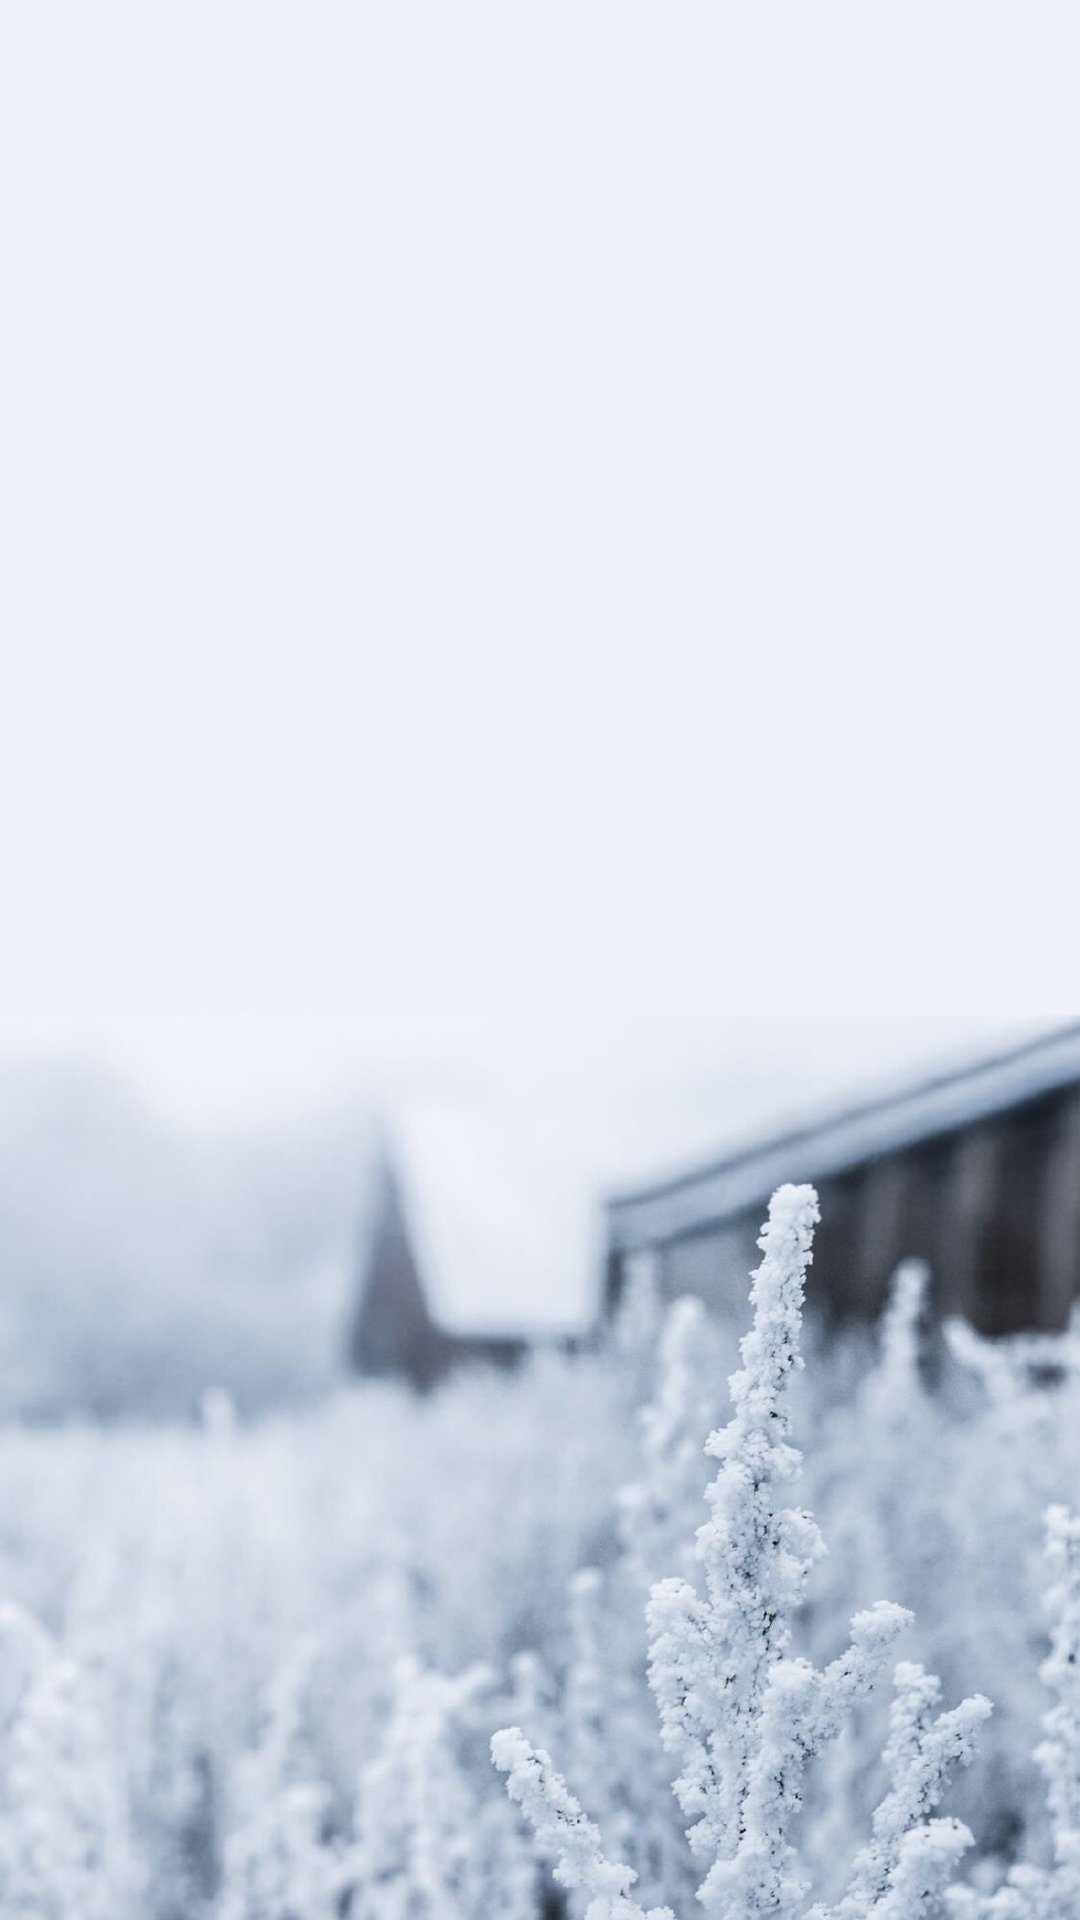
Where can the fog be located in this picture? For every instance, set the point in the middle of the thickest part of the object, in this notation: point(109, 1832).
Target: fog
point(185, 1203)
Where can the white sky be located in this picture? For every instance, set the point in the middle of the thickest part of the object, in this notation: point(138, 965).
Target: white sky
point(519, 511)
point(621, 1093)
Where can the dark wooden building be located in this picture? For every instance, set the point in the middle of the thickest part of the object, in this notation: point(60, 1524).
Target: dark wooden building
point(977, 1171)
point(394, 1332)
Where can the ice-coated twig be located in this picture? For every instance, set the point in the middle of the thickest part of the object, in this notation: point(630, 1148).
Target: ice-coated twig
point(563, 1832)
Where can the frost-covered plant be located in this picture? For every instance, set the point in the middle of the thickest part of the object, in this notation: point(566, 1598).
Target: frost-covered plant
point(591, 1752)
point(1059, 1754)
point(1031, 1891)
point(563, 1831)
point(653, 1509)
point(877, 1443)
point(741, 1719)
point(1007, 1447)
point(608, 1730)
point(741, 1716)
point(64, 1843)
point(931, 1481)
point(414, 1809)
point(712, 1652)
point(177, 1572)
point(911, 1858)
point(281, 1862)
point(867, 1473)
point(431, 1845)
point(897, 1381)
point(281, 1866)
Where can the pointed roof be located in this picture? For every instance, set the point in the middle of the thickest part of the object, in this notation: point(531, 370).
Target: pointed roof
point(505, 1227)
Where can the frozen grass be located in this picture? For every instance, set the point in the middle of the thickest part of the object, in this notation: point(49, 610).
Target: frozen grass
point(253, 1671)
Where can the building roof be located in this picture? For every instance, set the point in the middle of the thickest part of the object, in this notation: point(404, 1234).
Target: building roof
point(833, 1141)
point(505, 1229)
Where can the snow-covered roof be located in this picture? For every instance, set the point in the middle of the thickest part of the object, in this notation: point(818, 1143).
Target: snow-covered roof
point(504, 1226)
point(833, 1141)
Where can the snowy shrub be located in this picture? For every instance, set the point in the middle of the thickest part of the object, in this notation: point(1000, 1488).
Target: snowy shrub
point(64, 1847)
point(562, 1830)
point(249, 1671)
point(431, 1840)
point(279, 1863)
point(653, 1509)
point(1031, 1891)
point(910, 1858)
point(237, 1601)
point(742, 1717)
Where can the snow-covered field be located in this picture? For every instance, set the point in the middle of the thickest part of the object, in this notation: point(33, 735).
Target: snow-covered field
point(254, 1671)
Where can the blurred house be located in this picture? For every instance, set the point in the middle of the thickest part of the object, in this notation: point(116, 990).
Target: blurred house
point(976, 1170)
point(479, 1244)
point(395, 1332)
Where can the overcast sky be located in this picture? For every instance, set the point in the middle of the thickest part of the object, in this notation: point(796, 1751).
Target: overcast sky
point(517, 511)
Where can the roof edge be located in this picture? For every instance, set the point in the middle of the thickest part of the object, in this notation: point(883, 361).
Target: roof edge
point(839, 1138)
